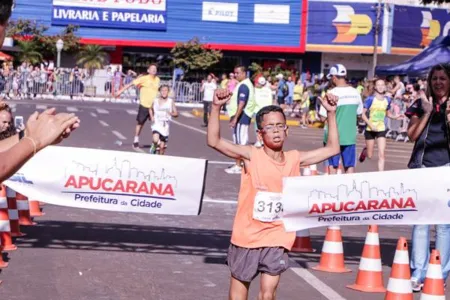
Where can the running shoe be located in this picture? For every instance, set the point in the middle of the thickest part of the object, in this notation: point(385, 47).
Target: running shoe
point(234, 170)
point(153, 149)
point(136, 145)
point(416, 285)
point(363, 155)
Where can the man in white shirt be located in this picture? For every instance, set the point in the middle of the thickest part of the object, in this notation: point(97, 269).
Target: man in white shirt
point(207, 89)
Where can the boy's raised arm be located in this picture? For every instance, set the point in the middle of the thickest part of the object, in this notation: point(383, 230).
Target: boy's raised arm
point(225, 147)
point(332, 148)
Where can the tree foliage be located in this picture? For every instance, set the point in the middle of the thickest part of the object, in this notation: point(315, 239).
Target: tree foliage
point(29, 52)
point(92, 57)
point(193, 55)
point(29, 30)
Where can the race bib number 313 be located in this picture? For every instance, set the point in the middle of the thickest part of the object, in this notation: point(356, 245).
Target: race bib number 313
point(267, 207)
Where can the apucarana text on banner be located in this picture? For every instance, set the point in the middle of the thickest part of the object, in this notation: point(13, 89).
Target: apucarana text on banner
point(405, 197)
point(113, 180)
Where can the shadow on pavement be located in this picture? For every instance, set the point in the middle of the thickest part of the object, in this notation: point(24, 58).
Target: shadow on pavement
point(124, 238)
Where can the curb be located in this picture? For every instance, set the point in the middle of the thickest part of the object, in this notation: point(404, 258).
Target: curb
point(291, 123)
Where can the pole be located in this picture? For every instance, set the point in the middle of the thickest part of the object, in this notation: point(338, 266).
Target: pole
point(58, 63)
point(377, 34)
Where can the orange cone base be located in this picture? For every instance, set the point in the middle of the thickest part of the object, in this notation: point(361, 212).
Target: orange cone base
point(3, 264)
point(18, 234)
point(396, 296)
point(367, 289)
point(304, 250)
point(11, 247)
point(37, 214)
point(27, 223)
point(331, 269)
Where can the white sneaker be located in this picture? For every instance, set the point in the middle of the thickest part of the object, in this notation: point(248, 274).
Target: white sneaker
point(233, 170)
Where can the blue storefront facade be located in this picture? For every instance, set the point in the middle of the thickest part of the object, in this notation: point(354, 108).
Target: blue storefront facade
point(299, 34)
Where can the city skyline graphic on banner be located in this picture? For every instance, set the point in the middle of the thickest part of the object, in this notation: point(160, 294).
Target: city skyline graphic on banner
point(364, 193)
point(120, 169)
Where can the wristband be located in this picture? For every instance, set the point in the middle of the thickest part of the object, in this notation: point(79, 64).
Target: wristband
point(34, 144)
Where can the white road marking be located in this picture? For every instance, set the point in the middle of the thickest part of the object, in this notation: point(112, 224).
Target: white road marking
point(315, 282)
point(103, 123)
point(41, 107)
point(119, 135)
point(93, 114)
point(131, 111)
point(208, 200)
point(186, 114)
point(189, 127)
point(72, 109)
point(102, 111)
point(215, 162)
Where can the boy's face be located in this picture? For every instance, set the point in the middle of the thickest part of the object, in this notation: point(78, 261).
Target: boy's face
point(274, 130)
point(164, 93)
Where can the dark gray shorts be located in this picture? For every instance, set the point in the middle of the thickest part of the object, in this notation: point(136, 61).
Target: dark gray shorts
point(245, 263)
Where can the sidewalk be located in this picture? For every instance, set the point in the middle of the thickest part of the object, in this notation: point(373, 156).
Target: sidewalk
point(291, 122)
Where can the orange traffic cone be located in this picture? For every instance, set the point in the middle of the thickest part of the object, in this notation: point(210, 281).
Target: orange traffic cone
point(433, 288)
point(332, 257)
point(303, 242)
point(399, 286)
point(35, 209)
point(24, 210)
point(370, 275)
point(5, 227)
point(13, 213)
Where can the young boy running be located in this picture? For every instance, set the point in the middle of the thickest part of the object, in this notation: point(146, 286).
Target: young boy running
point(163, 109)
point(259, 243)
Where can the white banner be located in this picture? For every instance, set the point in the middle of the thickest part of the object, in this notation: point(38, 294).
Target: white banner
point(113, 180)
point(405, 197)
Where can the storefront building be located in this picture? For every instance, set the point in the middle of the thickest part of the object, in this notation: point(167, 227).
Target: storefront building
point(300, 35)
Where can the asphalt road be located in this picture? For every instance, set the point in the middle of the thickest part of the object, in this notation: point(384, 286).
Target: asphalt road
point(78, 254)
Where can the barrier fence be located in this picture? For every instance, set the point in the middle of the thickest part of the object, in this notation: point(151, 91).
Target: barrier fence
point(26, 86)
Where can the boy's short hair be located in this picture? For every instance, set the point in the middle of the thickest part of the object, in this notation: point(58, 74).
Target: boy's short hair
point(164, 86)
point(5, 11)
point(264, 111)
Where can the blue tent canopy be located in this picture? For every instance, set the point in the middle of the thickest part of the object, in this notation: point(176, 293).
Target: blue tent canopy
point(437, 53)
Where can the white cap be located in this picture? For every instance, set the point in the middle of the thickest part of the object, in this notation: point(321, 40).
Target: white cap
point(279, 76)
point(337, 70)
point(261, 81)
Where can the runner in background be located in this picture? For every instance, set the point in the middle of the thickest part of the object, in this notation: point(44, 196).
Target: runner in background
point(263, 98)
point(207, 89)
point(163, 109)
point(148, 86)
point(376, 109)
point(348, 109)
point(259, 242)
point(240, 109)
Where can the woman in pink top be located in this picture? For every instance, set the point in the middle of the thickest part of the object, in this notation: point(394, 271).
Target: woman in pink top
point(232, 83)
point(259, 243)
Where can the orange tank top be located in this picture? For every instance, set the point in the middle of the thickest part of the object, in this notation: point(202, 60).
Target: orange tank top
point(266, 175)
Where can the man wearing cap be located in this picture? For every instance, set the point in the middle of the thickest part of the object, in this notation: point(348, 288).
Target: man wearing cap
point(349, 107)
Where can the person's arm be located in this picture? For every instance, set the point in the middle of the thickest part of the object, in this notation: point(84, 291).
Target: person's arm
point(419, 114)
point(332, 147)
point(150, 110)
point(214, 139)
point(123, 89)
point(366, 119)
point(9, 142)
point(42, 130)
point(243, 95)
point(174, 112)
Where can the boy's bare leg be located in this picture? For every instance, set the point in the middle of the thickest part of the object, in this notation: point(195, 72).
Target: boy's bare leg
point(238, 289)
point(268, 287)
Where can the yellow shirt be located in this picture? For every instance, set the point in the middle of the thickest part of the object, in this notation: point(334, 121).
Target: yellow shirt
point(148, 89)
point(298, 92)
